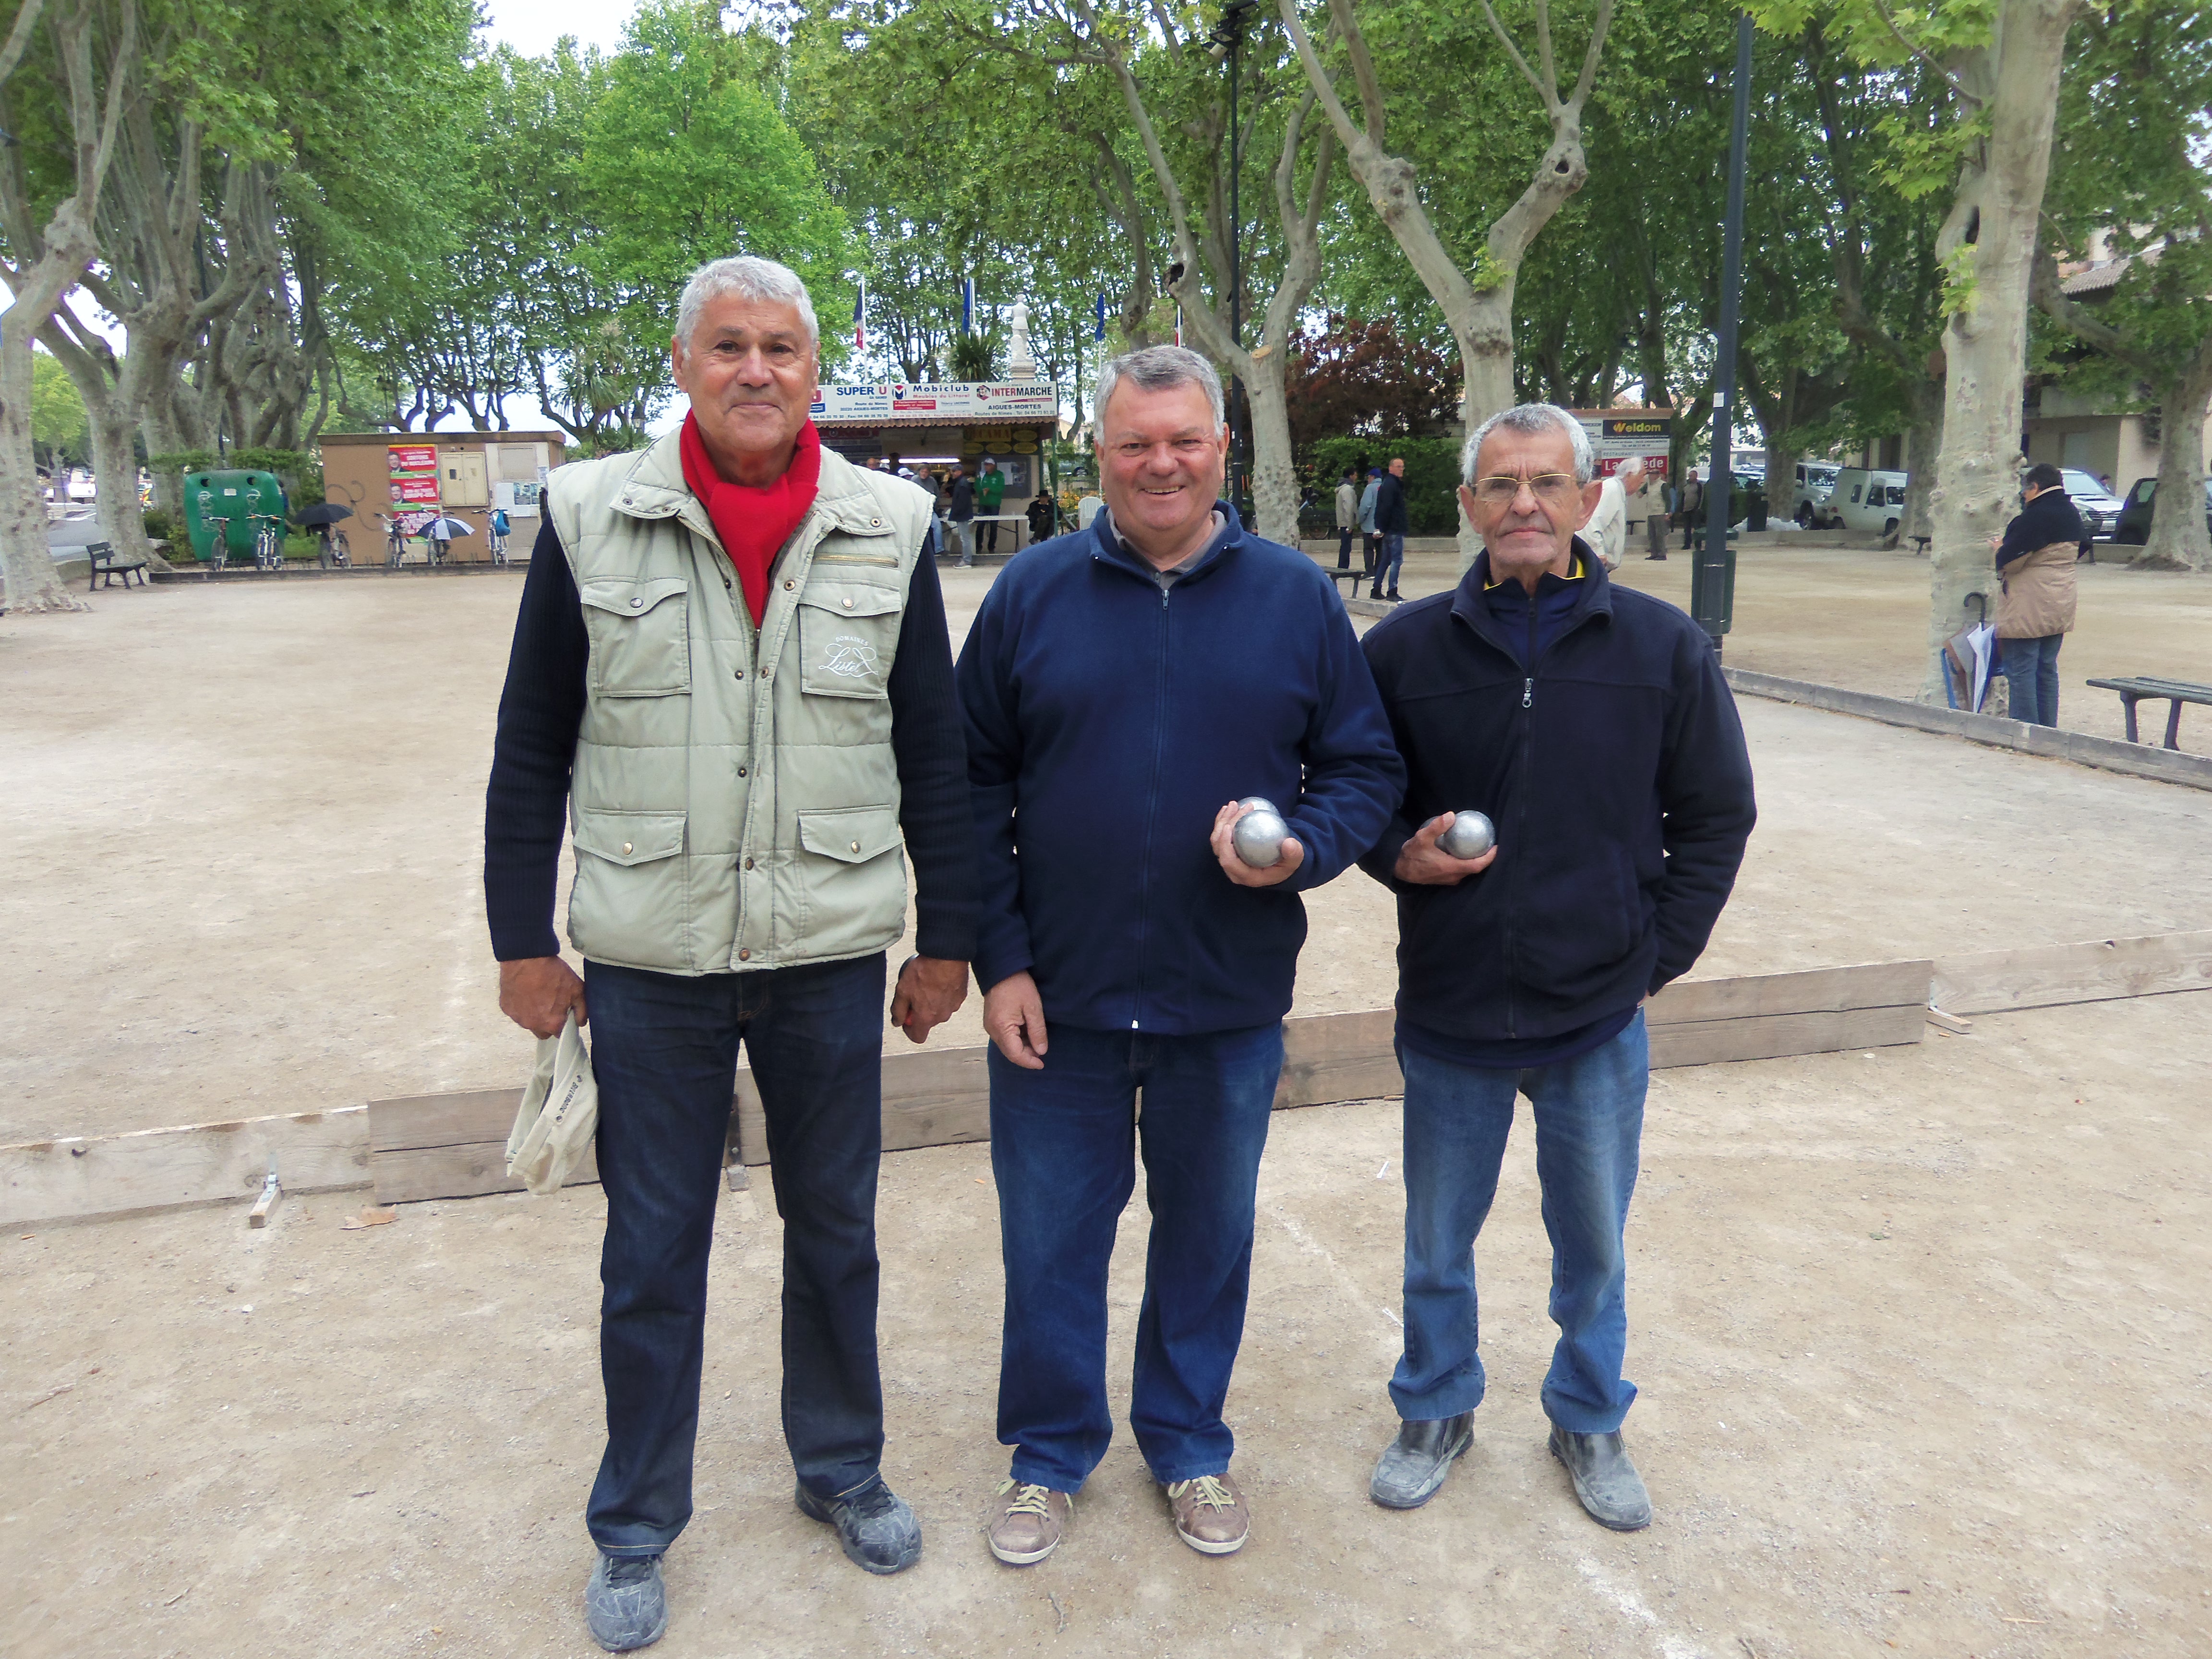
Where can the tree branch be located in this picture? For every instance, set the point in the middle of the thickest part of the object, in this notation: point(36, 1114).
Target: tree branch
point(1544, 90)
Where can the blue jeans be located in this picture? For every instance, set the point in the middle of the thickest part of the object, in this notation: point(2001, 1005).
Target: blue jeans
point(664, 1050)
point(1062, 1147)
point(1388, 562)
point(1589, 1123)
point(2031, 669)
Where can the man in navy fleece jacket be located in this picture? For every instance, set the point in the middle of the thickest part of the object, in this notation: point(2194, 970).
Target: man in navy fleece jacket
point(1122, 688)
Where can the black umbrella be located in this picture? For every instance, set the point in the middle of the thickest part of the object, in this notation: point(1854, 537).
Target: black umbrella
point(323, 512)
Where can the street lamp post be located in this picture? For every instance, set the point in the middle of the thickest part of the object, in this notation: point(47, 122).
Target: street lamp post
point(1713, 576)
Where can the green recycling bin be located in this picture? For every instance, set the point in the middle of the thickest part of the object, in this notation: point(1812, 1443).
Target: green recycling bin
point(230, 504)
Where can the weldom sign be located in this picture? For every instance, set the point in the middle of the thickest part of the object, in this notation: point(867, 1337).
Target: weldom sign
point(1620, 438)
point(947, 402)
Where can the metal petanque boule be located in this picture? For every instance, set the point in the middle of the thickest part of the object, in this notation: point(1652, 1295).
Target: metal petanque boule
point(1258, 804)
point(1470, 836)
point(1258, 837)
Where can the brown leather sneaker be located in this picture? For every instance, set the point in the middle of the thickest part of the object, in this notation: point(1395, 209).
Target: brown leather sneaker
point(1030, 1522)
point(1210, 1513)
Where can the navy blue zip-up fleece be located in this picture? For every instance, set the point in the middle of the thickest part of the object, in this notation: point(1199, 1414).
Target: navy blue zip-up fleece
point(1614, 768)
point(1108, 721)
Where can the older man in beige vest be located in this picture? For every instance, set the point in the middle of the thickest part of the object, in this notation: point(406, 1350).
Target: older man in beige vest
point(731, 668)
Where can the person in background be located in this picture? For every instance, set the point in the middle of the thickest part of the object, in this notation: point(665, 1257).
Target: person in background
point(1390, 524)
point(2035, 604)
point(990, 497)
point(960, 508)
point(1369, 541)
point(1041, 517)
point(1607, 529)
point(1347, 519)
point(1592, 725)
point(1693, 509)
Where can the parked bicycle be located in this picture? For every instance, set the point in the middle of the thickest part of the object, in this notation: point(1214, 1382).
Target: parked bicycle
point(268, 542)
point(338, 552)
point(395, 544)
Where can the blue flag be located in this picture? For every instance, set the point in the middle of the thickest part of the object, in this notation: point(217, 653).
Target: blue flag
point(860, 318)
point(968, 307)
point(1099, 333)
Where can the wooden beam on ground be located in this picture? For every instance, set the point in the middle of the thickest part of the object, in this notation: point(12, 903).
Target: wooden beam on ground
point(78, 1178)
point(2140, 760)
point(1769, 1016)
point(2095, 970)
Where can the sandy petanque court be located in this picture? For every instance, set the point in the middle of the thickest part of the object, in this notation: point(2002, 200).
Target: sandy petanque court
point(1921, 1330)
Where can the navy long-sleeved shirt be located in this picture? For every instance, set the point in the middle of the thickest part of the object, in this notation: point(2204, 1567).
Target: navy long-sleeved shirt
point(1109, 716)
point(542, 709)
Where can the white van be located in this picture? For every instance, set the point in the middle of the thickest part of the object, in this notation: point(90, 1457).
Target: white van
point(1809, 502)
point(1866, 500)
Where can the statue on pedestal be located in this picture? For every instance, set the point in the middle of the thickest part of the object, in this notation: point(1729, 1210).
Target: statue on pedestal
point(1021, 364)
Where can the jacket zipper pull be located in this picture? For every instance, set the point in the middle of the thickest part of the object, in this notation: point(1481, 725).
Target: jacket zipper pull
point(1529, 692)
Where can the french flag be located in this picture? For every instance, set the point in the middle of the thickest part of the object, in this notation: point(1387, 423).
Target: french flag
point(860, 318)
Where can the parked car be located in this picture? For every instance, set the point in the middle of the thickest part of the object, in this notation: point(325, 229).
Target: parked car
point(2133, 525)
point(1863, 499)
point(1809, 501)
point(2099, 508)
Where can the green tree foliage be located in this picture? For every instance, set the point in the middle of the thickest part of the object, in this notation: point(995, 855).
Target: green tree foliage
point(57, 420)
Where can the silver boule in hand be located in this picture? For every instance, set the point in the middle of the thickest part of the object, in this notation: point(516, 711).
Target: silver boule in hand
point(1469, 837)
point(1258, 837)
point(1257, 804)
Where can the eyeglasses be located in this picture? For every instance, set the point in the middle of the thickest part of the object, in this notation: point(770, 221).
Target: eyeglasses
point(1553, 488)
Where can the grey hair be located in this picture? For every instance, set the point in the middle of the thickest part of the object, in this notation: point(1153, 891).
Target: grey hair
point(1155, 368)
point(1534, 419)
point(747, 276)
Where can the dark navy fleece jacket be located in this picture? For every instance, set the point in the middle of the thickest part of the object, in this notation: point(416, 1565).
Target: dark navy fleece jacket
point(1615, 769)
point(1108, 720)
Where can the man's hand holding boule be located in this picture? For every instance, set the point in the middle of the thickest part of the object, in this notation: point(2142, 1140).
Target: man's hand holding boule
point(1224, 849)
point(537, 992)
point(1425, 864)
point(930, 991)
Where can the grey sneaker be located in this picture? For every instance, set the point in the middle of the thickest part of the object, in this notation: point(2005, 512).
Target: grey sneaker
point(624, 1604)
point(1413, 1466)
point(1030, 1522)
point(1605, 1480)
point(878, 1531)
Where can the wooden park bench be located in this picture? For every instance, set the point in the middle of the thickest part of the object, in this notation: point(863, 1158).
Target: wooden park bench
point(1354, 572)
point(2135, 689)
point(107, 567)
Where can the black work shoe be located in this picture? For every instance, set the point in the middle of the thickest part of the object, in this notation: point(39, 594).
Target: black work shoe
point(624, 1604)
point(878, 1530)
point(1605, 1480)
point(1414, 1465)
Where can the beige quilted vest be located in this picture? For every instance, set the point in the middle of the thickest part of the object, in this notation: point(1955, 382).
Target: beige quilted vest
point(734, 801)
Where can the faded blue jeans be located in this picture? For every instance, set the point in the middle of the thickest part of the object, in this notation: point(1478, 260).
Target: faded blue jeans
point(1590, 1125)
point(2031, 671)
point(664, 1051)
point(1063, 1146)
point(1387, 564)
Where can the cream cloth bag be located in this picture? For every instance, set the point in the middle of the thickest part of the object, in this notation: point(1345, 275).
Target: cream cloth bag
point(559, 1114)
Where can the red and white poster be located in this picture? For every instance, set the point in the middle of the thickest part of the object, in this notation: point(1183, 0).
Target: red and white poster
point(414, 490)
point(407, 459)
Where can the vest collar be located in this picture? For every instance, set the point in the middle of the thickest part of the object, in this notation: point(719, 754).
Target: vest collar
point(653, 488)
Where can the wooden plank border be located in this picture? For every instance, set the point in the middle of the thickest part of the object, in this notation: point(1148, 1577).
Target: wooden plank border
point(454, 1145)
point(2140, 760)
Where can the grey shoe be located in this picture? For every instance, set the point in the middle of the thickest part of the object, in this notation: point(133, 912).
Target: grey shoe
point(1414, 1465)
point(878, 1531)
point(1605, 1480)
point(624, 1604)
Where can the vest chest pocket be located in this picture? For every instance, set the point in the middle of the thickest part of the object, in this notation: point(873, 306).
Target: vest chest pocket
point(641, 637)
point(848, 635)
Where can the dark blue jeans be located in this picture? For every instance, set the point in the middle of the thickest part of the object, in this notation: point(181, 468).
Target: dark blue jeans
point(1387, 563)
point(664, 1050)
point(2031, 671)
point(1590, 1125)
point(1062, 1147)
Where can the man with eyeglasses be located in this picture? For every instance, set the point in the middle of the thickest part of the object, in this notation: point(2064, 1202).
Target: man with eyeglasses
point(1591, 723)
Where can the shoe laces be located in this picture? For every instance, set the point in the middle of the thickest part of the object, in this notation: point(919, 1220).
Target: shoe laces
point(1029, 1498)
point(630, 1568)
point(1206, 1490)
